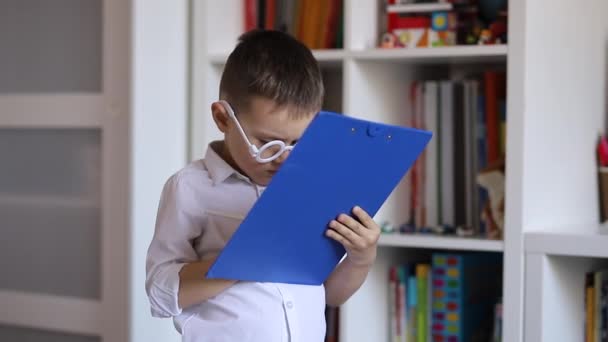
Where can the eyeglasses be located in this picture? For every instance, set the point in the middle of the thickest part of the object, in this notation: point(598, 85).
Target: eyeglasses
point(265, 154)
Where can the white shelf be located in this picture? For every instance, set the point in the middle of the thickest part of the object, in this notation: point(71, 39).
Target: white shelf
point(440, 242)
point(48, 201)
point(328, 57)
point(418, 8)
point(568, 244)
point(448, 54)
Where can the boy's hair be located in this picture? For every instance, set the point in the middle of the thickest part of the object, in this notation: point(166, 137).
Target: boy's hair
point(276, 66)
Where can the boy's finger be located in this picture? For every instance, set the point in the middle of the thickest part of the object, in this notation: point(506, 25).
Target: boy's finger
point(341, 239)
point(344, 230)
point(351, 223)
point(363, 216)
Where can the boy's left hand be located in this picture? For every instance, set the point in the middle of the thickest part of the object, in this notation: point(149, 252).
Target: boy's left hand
point(358, 236)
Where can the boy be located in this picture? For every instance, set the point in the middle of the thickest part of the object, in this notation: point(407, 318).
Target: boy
point(270, 90)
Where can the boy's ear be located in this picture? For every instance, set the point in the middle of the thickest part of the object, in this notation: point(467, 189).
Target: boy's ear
point(220, 116)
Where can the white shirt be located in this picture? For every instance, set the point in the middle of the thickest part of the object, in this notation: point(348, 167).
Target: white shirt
point(200, 208)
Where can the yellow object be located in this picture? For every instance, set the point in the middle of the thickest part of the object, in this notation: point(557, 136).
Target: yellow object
point(453, 272)
point(452, 329)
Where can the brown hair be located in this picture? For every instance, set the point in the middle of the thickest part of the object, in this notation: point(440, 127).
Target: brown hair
point(276, 66)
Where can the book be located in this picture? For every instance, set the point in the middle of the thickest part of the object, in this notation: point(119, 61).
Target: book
point(316, 23)
point(589, 307)
point(422, 274)
point(466, 289)
point(431, 123)
point(446, 134)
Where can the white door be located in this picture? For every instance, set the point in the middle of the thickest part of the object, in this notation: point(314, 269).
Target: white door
point(64, 170)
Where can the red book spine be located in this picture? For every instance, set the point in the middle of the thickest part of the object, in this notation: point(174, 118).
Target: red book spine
point(251, 14)
point(271, 9)
point(492, 117)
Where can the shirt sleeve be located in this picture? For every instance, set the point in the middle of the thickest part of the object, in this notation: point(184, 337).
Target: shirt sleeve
point(178, 222)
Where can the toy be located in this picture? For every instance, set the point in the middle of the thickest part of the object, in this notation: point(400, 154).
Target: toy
point(439, 21)
point(442, 38)
point(413, 31)
point(407, 228)
point(492, 180)
point(443, 29)
point(499, 28)
point(465, 231)
point(387, 227)
point(390, 41)
point(485, 38)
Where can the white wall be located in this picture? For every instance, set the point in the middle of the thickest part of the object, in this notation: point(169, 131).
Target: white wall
point(159, 114)
point(565, 104)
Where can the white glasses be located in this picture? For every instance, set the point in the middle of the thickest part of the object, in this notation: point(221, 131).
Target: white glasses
point(265, 154)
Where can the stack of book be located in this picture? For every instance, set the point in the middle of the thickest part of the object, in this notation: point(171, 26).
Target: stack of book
point(453, 298)
point(316, 23)
point(449, 187)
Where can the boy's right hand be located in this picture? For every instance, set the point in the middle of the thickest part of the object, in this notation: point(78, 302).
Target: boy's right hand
point(358, 234)
point(195, 288)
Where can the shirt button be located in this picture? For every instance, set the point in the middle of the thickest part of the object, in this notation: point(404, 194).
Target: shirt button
point(289, 305)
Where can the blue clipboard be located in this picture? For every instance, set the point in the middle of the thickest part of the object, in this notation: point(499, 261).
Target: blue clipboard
point(338, 163)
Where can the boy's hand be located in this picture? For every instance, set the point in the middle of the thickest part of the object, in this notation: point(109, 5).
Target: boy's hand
point(358, 236)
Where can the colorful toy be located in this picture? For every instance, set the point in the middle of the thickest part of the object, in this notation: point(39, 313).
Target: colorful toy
point(390, 41)
point(442, 38)
point(387, 227)
point(485, 38)
point(439, 21)
point(493, 181)
point(413, 31)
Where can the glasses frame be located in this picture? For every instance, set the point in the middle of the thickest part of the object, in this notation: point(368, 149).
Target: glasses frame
point(254, 151)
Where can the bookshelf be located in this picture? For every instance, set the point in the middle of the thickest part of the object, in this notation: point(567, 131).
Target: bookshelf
point(556, 86)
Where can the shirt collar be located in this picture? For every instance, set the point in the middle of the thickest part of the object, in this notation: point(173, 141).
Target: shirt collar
point(217, 167)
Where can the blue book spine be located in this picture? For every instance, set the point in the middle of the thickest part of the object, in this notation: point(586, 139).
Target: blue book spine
point(412, 304)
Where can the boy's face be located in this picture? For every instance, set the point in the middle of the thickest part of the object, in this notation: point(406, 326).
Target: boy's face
point(264, 121)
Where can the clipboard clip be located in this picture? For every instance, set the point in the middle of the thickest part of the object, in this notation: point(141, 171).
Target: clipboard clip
point(377, 130)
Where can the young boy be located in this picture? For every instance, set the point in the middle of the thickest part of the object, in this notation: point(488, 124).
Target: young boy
point(270, 90)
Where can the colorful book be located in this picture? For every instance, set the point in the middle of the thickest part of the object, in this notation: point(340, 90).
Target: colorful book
point(412, 305)
point(431, 123)
point(446, 132)
point(466, 288)
point(422, 274)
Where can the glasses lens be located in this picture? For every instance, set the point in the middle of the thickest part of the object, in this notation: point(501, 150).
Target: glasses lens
point(271, 149)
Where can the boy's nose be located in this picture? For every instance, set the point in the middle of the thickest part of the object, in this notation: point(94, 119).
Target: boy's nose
point(280, 159)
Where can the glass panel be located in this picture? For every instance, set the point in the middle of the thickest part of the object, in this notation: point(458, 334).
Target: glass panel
point(18, 334)
point(56, 162)
point(50, 46)
point(50, 250)
point(49, 211)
